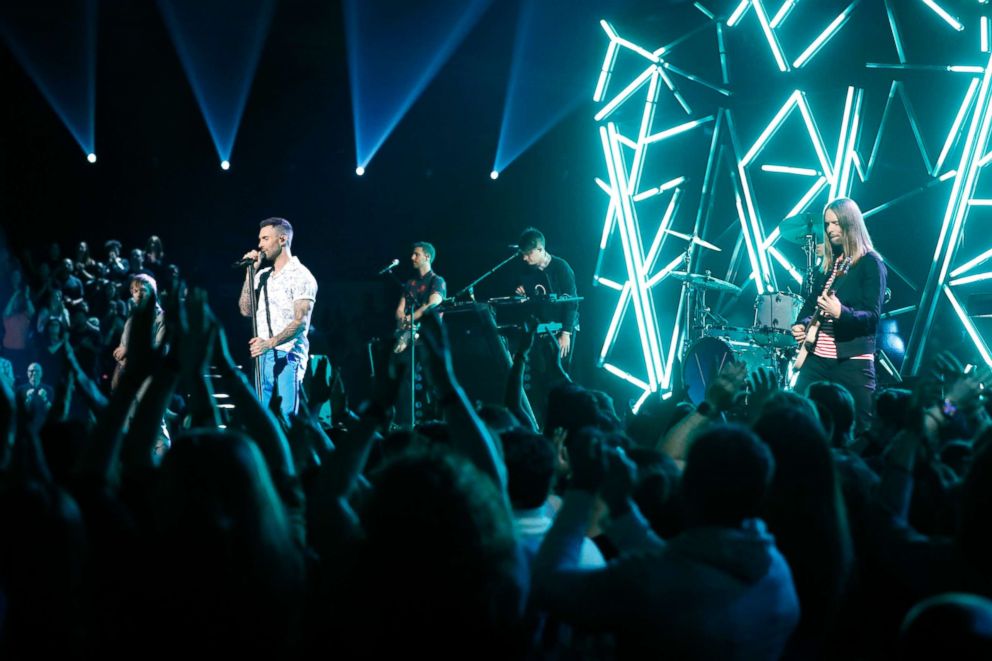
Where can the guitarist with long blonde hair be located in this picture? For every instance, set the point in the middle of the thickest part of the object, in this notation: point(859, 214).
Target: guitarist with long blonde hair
point(838, 324)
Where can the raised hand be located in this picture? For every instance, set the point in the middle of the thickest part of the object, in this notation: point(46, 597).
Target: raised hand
point(621, 476)
point(197, 331)
point(763, 384)
point(320, 382)
point(142, 355)
point(724, 388)
point(588, 461)
point(526, 339)
point(438, 352)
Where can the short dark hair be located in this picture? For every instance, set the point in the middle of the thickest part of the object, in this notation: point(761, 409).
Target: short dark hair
point(427, 248)
point(838, 400)
point(529, 239)
point(727, 476)
point(112, 243)
point(281, 225)
point(530, 467)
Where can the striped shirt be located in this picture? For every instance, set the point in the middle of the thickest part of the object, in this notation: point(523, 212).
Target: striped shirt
point(826, 345)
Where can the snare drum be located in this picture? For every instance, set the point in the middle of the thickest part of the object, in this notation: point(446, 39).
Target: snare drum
point(774, 315)
point(707, 356)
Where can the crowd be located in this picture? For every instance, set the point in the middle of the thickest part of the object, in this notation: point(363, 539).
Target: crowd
point(756, 525)
point(77, 299)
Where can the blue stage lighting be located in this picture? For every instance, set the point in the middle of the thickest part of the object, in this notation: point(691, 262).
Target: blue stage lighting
point(225, 165)
point(394, 51)
point(91, 157)
point(494, 175)
point(219, 44)
point(57, 49)
point(359, 170)
point(533, 107)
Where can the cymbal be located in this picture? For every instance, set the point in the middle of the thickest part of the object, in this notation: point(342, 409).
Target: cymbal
point(796, 228)
point(695, 239)
point(705, 282)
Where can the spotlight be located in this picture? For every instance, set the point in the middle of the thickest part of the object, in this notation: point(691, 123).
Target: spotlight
point(359, 170)
point(91, 157)
point(494, 175)
point(225, 165)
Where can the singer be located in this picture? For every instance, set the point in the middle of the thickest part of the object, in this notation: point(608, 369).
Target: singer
point(845, 344)
point(285, 292)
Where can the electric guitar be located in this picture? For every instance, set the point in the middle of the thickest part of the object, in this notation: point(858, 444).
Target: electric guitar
point(841, 267)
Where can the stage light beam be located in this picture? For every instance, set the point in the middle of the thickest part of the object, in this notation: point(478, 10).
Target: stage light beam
point(91, 157)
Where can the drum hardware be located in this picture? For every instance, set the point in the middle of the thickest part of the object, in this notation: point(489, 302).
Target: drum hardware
point(804, 228)
point(774, 314)
point(705, 282)
point(693, 239)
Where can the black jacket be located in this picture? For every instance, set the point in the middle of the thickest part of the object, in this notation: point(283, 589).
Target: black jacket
point(557, 278)
point(860, 292)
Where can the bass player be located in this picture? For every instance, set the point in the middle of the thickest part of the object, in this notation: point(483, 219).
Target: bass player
point(848, 310)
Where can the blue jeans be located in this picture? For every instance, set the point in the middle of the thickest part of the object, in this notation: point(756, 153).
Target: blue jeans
point(281, 369)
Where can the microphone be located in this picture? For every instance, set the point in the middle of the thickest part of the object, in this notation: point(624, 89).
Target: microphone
point(241, 263)
point(393, 264)
point(514, 246)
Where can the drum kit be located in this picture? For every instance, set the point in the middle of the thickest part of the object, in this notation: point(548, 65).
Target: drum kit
point(711, 342)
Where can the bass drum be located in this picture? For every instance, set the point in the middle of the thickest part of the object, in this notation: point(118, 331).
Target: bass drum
point(707, 356)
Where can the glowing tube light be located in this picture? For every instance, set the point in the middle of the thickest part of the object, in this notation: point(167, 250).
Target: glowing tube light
point(808, 197)
point(644, 397)
point(759, 10)
point(604, 75)
point(969, 326)
point(626, 376)
point(666, 222)
point(772, 127)
point(625, 93)
point(972, 263)
point(788, 169)
point(629, 240)
point(618, 314)
point(706, 12)
point(783, 13)
point(950, 20)
point(738, 13)
point(780, 258)
point(660, 275)
point(612, 284)
point(896, 38)
point(978, 277)
point(815, 137)
point(824, 37)
point(956, 126)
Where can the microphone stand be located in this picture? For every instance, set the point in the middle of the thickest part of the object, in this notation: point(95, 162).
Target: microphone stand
point(410, 309)
point(257, 360)
point(410, 303)
point(470, 287)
